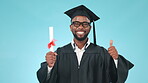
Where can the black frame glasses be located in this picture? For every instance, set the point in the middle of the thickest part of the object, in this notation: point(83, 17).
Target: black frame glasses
point(84, 24)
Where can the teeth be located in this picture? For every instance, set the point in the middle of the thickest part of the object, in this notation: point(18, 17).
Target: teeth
point(80, 32)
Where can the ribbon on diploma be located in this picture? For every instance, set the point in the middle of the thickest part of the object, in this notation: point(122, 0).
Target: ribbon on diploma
point(52, 43)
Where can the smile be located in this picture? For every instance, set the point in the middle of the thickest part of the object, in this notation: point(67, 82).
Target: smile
point(80, 32)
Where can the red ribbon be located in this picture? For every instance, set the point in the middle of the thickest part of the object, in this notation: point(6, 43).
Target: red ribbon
point(51, 43)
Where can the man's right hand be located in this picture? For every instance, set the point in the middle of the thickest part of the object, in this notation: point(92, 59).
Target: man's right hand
point(51, 58)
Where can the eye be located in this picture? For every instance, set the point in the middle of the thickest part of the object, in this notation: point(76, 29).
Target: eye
point(86, 24)
point(76, 23)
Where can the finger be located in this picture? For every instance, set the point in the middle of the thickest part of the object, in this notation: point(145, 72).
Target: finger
point(51, 62)
point(111, 43)
point(115, 57)
point(54, 57)
point(112, 54)
point(111, 51)
point(50, 53)
point(49, 59)
point(111, 48)
point(48, 56)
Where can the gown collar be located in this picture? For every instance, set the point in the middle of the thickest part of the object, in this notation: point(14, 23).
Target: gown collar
point(74, 46)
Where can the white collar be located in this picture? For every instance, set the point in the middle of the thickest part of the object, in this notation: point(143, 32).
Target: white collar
point(75, 46)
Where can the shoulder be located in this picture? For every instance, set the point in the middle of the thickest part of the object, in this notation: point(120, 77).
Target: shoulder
point(66, 48)
point(96, 48)
point(99, 50)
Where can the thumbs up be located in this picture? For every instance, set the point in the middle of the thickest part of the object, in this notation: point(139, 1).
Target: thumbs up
point(111, 43)
point(112, 50)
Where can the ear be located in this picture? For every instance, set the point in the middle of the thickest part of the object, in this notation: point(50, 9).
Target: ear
point(90, 27)
point(71, 27)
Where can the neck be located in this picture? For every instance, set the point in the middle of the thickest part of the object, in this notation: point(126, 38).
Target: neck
point(80, 44)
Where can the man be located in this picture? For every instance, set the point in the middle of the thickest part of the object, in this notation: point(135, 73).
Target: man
point(82, 61)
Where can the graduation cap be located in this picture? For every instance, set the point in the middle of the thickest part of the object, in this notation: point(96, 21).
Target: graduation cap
point(83, 11)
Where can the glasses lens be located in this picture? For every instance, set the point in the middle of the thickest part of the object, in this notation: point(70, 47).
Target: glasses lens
point(76, 23)
point(85, 24)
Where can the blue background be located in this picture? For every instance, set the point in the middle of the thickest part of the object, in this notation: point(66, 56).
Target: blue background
point(24, 34)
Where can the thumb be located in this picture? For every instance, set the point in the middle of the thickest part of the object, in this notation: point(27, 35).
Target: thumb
point(55, 53)
point(111, 43)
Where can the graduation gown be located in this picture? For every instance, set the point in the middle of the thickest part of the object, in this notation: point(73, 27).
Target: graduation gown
point(123, 68)
point(96, 66)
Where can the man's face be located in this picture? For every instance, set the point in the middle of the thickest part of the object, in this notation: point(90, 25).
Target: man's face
point(80, 27)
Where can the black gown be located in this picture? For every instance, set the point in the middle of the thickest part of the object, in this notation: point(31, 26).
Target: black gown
point(96, 66)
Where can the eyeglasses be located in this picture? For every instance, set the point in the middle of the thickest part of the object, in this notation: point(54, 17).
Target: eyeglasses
point(84, 24)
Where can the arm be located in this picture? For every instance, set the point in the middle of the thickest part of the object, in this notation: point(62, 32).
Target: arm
point(109, 67)
point(42, 73)
point(122, 64)
point(45, 77)
point(46, 74)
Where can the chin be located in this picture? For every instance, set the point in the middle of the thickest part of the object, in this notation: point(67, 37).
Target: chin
point(80, 39)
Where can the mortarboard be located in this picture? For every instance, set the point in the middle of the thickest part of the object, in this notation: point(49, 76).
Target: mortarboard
point(83, 11)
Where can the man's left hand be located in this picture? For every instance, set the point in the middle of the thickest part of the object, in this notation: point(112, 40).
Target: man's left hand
point(112, 50)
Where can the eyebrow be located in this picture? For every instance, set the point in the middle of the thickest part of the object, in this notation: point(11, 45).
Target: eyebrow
point(75, 18)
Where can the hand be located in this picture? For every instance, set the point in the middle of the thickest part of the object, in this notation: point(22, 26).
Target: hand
point(112, 50)
point(51, 58)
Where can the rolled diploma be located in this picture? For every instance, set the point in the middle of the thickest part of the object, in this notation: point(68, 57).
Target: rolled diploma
point(51, 37)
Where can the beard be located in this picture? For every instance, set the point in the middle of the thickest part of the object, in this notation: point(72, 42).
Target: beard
point(80, 39)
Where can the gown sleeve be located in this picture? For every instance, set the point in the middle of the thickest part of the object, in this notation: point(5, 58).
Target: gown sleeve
point(123, 68)
point(111, 68)
point(110, 73)
point(42, 72)
point(120, 74)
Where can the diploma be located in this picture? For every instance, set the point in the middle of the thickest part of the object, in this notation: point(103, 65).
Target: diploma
point(51, 38)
